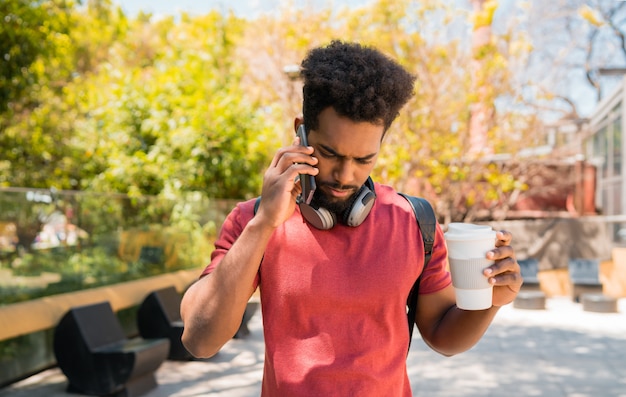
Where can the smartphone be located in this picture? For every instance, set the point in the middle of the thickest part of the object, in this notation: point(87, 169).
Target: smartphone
point(306, 181)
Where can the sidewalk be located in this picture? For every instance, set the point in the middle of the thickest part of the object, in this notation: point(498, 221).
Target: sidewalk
point(562, 351)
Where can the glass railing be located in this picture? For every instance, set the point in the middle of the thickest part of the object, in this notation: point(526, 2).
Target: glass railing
point(62, 241)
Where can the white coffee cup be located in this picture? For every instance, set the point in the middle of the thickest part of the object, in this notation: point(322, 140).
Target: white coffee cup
point(467, 246)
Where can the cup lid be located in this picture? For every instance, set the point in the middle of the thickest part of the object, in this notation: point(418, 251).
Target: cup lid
point(468, 231)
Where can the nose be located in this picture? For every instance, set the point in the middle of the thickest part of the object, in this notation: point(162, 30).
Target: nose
point(343, 172)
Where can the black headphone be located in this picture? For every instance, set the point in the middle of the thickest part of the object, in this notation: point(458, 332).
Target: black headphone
point(353, 216)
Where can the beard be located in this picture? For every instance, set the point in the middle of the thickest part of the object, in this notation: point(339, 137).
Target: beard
point(335, 206)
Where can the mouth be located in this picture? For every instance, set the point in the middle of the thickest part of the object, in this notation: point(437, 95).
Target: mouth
point(334, 197)
point(338, 192)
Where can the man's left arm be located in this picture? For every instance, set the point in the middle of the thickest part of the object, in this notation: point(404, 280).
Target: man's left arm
point(450, 330)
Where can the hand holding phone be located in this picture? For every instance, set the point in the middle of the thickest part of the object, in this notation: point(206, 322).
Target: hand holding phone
point(306, 181)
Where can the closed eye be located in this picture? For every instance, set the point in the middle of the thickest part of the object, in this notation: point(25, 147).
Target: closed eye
point(328, 153)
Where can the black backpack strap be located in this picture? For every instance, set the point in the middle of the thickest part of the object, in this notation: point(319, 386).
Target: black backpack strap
point(257, 202)
point(426, 221)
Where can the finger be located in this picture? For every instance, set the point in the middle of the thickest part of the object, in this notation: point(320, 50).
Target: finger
point(504, 271)
point(294, 148)
point(506, 264)
point(277, 156)
point(508, 278)
point(301, 161)
point(503, 237)
point(297, 184)
point(290, 178)
point(501, 252)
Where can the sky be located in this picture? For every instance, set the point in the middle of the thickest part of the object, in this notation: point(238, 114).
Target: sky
point(244, 8)
point(252, 8)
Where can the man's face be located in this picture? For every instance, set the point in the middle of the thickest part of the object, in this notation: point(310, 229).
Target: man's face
point(347, 152)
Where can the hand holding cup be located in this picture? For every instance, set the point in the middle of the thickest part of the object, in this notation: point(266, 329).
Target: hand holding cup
point(468, 245)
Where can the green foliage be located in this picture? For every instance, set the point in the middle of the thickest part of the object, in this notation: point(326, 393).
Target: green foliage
point(122, 239)
point(186, 104)
point(143, 110)
point(29, 30)
point(96, 266)
point(34, 43)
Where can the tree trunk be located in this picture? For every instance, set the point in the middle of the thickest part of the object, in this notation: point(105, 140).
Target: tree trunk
point(481, 112)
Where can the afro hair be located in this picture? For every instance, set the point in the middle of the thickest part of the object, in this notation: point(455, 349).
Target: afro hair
point(358, 82)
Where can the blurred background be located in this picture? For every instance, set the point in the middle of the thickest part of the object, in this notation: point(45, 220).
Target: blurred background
point(128, 130)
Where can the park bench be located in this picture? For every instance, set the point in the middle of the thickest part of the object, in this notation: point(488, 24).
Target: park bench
point(98, 359)
point(529, 268)
point(584, 276)
point(530, 295)
point(587, 288)
point(159, 317)
point(251, 308)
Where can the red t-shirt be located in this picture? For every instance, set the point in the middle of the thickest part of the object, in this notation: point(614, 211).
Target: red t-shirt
point(334, 301)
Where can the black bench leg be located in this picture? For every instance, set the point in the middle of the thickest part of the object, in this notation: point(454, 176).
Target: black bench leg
point(138, 386)
point(243, 330)
point(71, 389)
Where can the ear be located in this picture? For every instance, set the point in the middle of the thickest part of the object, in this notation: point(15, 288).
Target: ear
point(296, 123)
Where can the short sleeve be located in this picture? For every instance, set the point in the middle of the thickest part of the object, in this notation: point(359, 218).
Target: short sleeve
point(230, 231)
point(436, 276)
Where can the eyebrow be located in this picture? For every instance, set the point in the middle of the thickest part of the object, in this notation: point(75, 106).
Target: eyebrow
point(343, 156)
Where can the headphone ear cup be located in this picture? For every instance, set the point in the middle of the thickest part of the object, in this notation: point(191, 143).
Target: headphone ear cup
point(320, 218)
point(360, 207)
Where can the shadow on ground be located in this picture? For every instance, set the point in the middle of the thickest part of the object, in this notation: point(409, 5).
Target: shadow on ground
point(561, 352)
point(514, 360)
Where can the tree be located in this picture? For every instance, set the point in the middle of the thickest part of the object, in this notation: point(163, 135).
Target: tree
point(573, 42)
point(181, 113)
point(29, 31)
point(35, 42)
point(184, 104)
point(145, 110)
point(426, 153)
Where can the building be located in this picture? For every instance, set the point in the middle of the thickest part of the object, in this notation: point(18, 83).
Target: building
point(604, 148)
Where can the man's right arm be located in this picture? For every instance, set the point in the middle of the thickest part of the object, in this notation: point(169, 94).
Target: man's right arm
point(212, 308)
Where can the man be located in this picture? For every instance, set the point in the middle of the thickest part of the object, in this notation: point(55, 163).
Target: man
point(334, 299)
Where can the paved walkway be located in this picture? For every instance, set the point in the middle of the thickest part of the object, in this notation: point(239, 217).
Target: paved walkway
point(560, 351)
